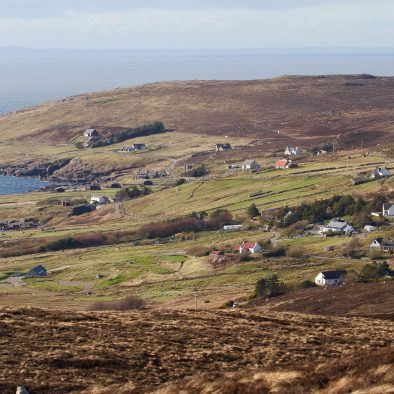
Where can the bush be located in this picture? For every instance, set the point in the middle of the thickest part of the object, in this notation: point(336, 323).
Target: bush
point(296, 252)
point(269, 287)
point(374, 271)
point(278, 251)
point(61, 244)
point(296, 228)
point(252, 211)
point(169, 228)
point(219, 218)
point(131, 193)
point(180, 182)
point(307, 284)
point(354, 249)
point(82, 208)
point(197, 172)
point(198, 251)
point(127, 304)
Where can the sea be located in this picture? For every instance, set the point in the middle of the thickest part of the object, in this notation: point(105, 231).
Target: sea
point(30, 77)
point(19, 185)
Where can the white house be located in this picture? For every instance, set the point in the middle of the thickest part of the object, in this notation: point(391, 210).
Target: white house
point(383, 244)
point(289, 151)
point(250, 165)
point(339, 226)
point(100, 200)
point(329, 278)
point(321, 152)
point(90, 133)
point(222, 147)
point(249, 247)
point(380, 172)
point(388, 210)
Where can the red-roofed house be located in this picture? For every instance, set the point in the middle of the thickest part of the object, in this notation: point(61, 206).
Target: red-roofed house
point(249, 247)
point(285, 163)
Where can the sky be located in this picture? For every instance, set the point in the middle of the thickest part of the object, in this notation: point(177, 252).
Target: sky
point(187, 24)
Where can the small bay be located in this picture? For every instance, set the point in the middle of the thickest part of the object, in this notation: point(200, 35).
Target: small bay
point(19, 185)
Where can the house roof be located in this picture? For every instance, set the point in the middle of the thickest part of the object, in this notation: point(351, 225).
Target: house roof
point(337, 224)
point(38, 270)
point(385, 242)
point(282, 163)
point(248, 245)
point(249, 162)
point(333, 274)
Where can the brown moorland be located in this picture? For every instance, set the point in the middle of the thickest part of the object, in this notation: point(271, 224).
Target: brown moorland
point(302, 108)
point(133, 352)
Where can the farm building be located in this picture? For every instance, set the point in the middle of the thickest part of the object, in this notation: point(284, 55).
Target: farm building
point(289, 151)
point(380, 172)
point(100, 200)
point(388, 210)
point(222, 147)
point(90, 133)
point(329, 278)
point(383, 244)
point(250, 165)
point(338, 226)
point(285, 163)
point(248, 247)
point(37, 272)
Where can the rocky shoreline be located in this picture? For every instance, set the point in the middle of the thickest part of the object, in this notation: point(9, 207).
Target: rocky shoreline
point(72, 171)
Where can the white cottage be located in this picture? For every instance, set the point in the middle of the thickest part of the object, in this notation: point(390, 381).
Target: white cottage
point(250, 165)
point(289, 151)
point(249, 247)
point(383, 244)
point(329, 278)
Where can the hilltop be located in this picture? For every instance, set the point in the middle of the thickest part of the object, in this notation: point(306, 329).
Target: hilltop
point(299, 107)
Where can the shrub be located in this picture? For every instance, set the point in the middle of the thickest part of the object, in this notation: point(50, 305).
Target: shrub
point(61, 244)
point(128, 303)
point(180, 182)
point(354, 249)
point(169, 228)
point(198, 251)
point(82, 208)
point(131, 193)
point(269, 287)
point(374, 271)
point(197, 172)
point(307, 284)
point(252, 211)
point(219, 218)
point(296, 228)
point(278, 251)
point(296, 252)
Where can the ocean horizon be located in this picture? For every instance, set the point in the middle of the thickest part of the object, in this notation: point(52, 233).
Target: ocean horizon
point(31, 77)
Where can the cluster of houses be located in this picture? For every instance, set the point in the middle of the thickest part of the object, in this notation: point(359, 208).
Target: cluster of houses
point(290, 151)
point(150, 174)
point(24, 224)
point(337, 226)
point(247, 165)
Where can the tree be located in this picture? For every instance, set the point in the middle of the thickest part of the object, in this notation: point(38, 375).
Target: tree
point(252, 211)
point(374, 271)
point(219, 217)
point(269, 287)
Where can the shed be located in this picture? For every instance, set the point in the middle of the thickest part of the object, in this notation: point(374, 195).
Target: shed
point(37, 272)
point(90, 133)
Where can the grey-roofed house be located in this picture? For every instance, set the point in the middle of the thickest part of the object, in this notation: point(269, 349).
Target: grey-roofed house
point(37, 272)
point(138, 146)
point(388, 210)
point(338, 226)
point(383, 244)
point(250, 165)
point(329, 278)
point(222, 147)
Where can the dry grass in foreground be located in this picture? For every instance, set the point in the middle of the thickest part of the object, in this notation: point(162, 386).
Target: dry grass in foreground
point(145, 351)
